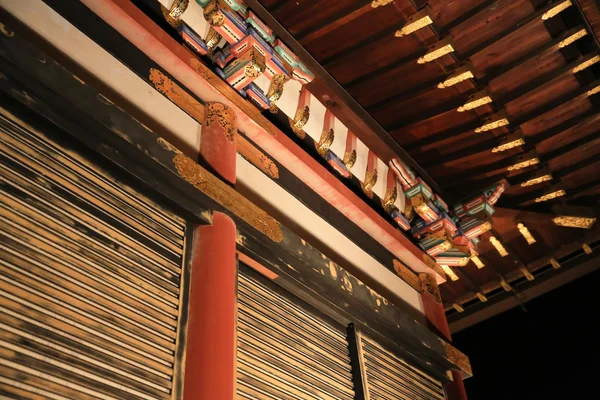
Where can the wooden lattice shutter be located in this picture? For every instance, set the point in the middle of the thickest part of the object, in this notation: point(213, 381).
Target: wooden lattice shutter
point(90, 277)
point(286, 351)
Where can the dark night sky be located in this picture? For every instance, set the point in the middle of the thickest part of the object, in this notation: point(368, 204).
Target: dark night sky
point(552, 351)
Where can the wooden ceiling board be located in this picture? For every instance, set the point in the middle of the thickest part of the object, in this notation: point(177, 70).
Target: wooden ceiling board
point(524, 41)
point(542, 95)
point(489, 23)
point(519, 77)
point(444, 12)
point(354, 29)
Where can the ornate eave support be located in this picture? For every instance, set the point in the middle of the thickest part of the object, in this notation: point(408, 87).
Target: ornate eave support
point(418, 21)
point(537, 177)
point(551, 194)
point(495, 121)
point(476, 100)
point(524, 160)
point(459, 75)
point(379, 3)
point(510, 141)
point(574, 217)
point(437, 50)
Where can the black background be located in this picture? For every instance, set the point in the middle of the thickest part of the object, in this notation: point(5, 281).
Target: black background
point(551, 351)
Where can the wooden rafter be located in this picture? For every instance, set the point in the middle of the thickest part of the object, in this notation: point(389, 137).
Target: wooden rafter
point(465, 55)
point(344, 17)
point(460, 130)
point(434, 159)
point(500, 101)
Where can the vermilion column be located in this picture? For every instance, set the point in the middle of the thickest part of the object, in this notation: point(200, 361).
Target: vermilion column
point(210, 362)
point(434, 312)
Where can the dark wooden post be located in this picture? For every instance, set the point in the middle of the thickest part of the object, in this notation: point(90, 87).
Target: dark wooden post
point(210, 361)
point(434, 312)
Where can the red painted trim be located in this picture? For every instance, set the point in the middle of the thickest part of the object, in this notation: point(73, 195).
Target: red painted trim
point(434, 312)
point(217, 149)
point(134, 25)
point(210, 358)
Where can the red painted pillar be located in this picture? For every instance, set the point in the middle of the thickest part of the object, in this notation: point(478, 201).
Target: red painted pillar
point(434, 312)
point(210, 362)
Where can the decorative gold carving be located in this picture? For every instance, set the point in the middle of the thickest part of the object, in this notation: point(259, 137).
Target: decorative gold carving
point(510, 145)
point(505, 285)
point(276, 88)
point(389, 199)
point(256, 66)
point(224, 116)
point(350, 159)
point(213, 38)
point(448, 271)
point(586, 248)
point(481, 297)
point(461, 74)
point(486, 226)
point(369, 183)
point(418, 21)
point(178, 8)
point(407, 275)
point(216, 189)
point(301, 118)
point(550, 196)
point(498, 246)
point(555, 264)
point(586, 64)
point(574, 37)
point(554, 11)
point(457, 358)
point(458, 308)
point(440, 49)
point(177, 95)
point(213, 14)
point(477, 261)
point(524, 164)
point(379, 3)
point(476, 100)
point(325, 142)
point(574, 222)
point(174, 22)
point(493, 122)
point(419, 204)
point(594, 91)
point(536, 181)
point(527, 274)
point(429, 285)
point(526, 234)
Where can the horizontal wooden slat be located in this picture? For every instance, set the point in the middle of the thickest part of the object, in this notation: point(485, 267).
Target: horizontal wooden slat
point(21, 218)
point(76, 282)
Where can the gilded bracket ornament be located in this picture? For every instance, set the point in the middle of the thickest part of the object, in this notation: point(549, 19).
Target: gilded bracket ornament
point(224, 116)
point(379, 3)
point(178, 8)
point(276, 90)
point(301, 118)
point(325, 142)
point(213, 14)
point(418, 21)
point(369, 183)
point(429, 285)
